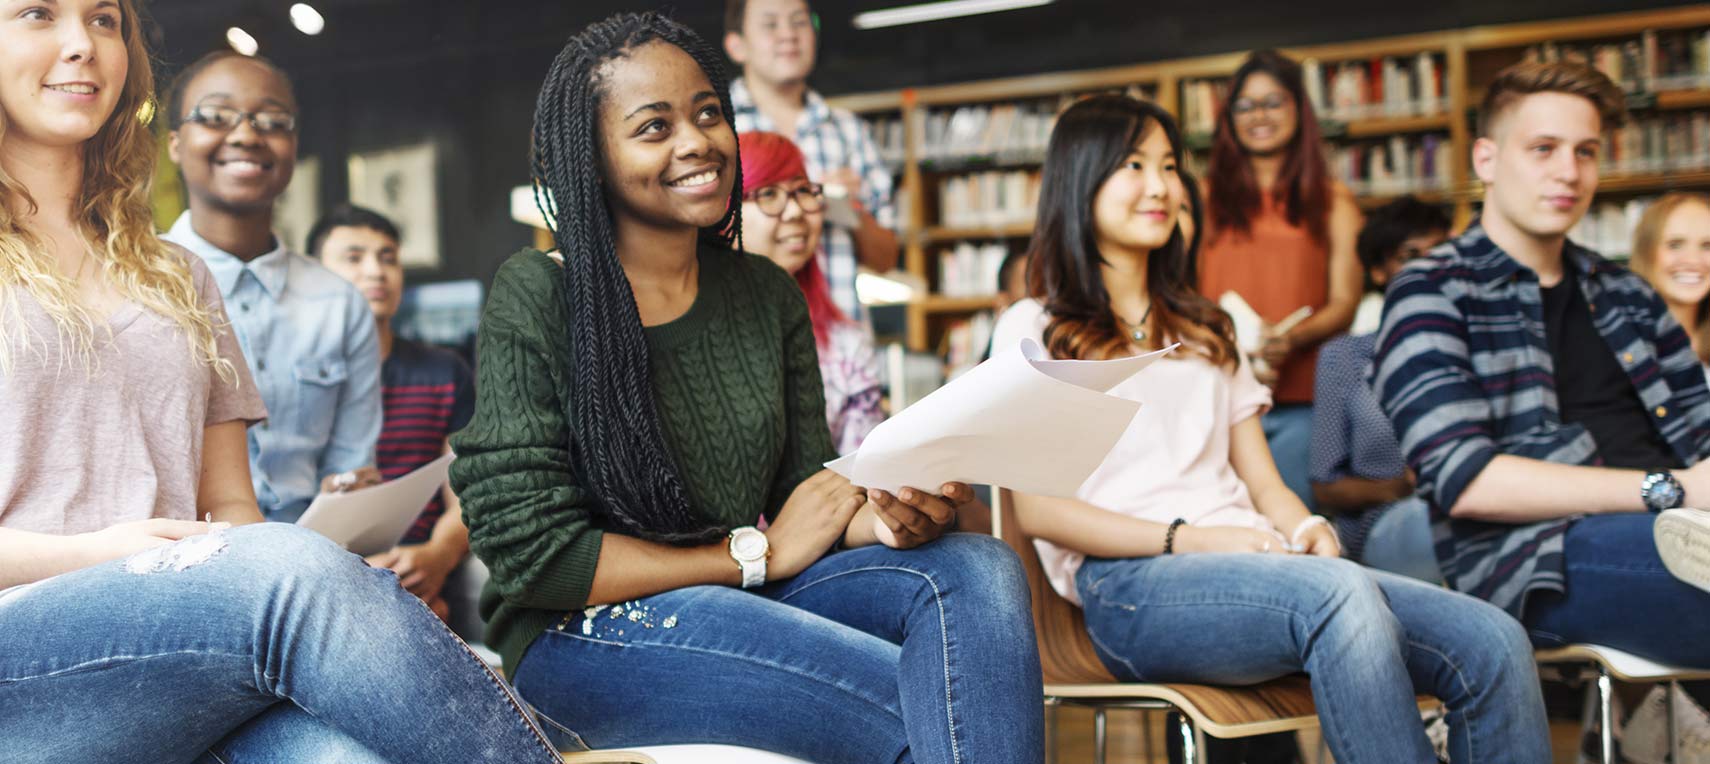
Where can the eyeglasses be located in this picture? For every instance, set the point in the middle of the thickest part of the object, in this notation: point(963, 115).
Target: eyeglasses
point(226, 118)
point(1246, 106)
point(772, 199)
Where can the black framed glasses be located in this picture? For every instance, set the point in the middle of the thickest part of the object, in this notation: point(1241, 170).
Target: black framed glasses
point(1246, 106)
point(772, 199)
point(226, 118)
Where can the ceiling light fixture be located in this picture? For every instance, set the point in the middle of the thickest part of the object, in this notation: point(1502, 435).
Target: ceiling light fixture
point(915, 14)
point(242, 42)
point(307, 19)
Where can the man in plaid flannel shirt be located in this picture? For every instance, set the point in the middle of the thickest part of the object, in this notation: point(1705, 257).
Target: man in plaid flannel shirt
point(774, 41)
point(1553, 410)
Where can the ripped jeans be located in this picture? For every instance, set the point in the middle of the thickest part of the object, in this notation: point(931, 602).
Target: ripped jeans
point(264, 643)
point(870, 655)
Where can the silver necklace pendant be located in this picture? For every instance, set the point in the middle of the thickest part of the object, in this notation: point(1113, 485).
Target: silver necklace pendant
point(1139, 335)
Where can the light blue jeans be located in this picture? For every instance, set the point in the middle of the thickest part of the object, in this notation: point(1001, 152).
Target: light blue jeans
point(1400, 541)
point(870, 655)
point(265, 643)
point(1369, 639)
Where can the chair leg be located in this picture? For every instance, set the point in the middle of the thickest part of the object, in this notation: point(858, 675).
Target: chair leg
point(1098, 732)
point(1050, 732)
point(1193, 748)
point(1606, 715)
point(1323, 746)
point(1146, 734)
point(1673, 734)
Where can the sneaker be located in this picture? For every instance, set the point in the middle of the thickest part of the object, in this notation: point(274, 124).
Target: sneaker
point(1645, 740)
point(1683, 540)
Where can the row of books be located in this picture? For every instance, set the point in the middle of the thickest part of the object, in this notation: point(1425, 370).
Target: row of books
point(965, 343)
point(1607, 227)
point(1402, 164)
point(1660, 143)
point(890, 137)
point(970, 270)
point(1011, 132)
point(1391, 86)
point(1388, 86)
point(988, 198)
point(1655, 60)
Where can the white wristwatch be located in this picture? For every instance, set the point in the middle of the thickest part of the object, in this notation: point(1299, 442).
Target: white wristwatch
point(749, 548)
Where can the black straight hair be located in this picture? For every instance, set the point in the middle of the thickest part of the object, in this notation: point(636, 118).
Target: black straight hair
point(348, 215)
point(1089, 143)
point(617, 443)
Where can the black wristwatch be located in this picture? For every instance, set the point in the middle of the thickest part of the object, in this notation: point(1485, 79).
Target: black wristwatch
point(1661, 491)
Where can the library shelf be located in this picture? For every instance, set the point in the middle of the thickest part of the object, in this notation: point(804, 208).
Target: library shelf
point(938, 303)
point(942, 234)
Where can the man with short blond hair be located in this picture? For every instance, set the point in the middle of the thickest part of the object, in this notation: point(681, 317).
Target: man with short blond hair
point(1548, 402)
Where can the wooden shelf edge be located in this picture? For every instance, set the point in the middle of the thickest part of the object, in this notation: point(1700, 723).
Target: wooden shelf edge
point(941, 234)
point(937, 303)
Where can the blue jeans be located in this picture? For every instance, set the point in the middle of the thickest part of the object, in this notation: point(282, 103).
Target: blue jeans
point(259, 644)
point(870, 655)
point(1619, 595)
point(1288, 431)
point(1370, 640)
point(1400, 541)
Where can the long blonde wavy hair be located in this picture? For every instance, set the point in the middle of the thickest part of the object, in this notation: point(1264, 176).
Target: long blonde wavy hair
point(112, 212)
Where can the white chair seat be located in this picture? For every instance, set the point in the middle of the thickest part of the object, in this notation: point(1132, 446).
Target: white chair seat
point(1623, 666)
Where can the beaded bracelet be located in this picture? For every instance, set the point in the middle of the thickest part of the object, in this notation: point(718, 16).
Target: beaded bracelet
point(1310, 521)
point(1170, 535)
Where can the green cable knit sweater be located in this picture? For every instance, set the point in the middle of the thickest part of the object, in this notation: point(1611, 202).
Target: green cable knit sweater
point(736, 380)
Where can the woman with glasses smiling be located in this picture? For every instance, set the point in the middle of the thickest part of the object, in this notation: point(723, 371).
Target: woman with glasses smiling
point(307, 333)
point(1281, 235)
point(783, 216)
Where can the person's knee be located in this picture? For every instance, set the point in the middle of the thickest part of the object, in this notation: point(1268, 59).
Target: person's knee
point(289, 546)
point(982, 562)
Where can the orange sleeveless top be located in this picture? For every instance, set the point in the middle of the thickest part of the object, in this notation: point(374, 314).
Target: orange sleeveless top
point(1276, 268)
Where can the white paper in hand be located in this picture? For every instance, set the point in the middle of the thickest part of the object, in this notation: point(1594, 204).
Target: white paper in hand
point(375, 519)
point(1019, 420)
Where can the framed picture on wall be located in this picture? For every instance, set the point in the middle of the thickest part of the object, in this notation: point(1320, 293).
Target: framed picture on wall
point(400, 183)
point(299, 207)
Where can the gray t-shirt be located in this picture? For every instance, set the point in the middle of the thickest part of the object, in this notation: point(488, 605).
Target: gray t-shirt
point(85, 446)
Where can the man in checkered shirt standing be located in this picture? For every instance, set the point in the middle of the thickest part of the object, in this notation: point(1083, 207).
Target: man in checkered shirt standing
point(774, 41)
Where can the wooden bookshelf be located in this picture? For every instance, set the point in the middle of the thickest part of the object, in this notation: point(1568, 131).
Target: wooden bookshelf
point(1469, 58)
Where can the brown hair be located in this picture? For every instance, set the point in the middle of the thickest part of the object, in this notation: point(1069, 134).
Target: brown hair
point(1303, 184)
point(1524, 79)
point(1088, 144)
point(1647, 238)
point(734, 11)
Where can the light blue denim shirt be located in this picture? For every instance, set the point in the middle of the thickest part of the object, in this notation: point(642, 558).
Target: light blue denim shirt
point(310, 341)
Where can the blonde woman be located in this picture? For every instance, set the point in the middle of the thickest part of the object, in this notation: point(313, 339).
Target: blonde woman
point(1671, 250)
point(145, 612)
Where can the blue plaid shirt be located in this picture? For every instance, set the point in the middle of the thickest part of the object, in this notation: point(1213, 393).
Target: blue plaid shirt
point(829, 139)
point(1464, 373)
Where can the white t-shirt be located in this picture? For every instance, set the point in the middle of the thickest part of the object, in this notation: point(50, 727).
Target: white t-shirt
point(1173, 460)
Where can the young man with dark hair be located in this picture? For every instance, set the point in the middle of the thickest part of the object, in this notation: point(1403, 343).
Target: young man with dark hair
point(1549, 404)
point(775, 41)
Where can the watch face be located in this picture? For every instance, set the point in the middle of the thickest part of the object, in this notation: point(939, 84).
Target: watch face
point(748, 545)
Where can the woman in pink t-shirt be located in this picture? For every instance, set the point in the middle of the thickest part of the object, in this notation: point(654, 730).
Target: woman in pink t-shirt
point(1192, 559)
point(146, 612)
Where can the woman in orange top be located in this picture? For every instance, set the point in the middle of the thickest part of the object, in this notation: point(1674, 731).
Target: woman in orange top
point(1281, 236)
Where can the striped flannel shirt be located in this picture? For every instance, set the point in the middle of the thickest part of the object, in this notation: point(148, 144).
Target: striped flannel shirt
point(1464, 372)
point(830, 139)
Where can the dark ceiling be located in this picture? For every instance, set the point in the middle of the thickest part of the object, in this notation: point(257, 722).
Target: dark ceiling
point(515, 38)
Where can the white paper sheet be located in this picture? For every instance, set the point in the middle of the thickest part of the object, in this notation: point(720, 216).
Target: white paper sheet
point(375, 519)
point(1019, 420)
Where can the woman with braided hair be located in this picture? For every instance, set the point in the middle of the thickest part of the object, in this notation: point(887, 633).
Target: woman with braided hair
point(646, 393)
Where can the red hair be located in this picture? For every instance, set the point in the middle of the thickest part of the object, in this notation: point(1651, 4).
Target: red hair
point(769, 158)
point(1303, 185)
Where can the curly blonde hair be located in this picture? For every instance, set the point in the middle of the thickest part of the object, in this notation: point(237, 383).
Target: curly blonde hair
point(112, 212)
